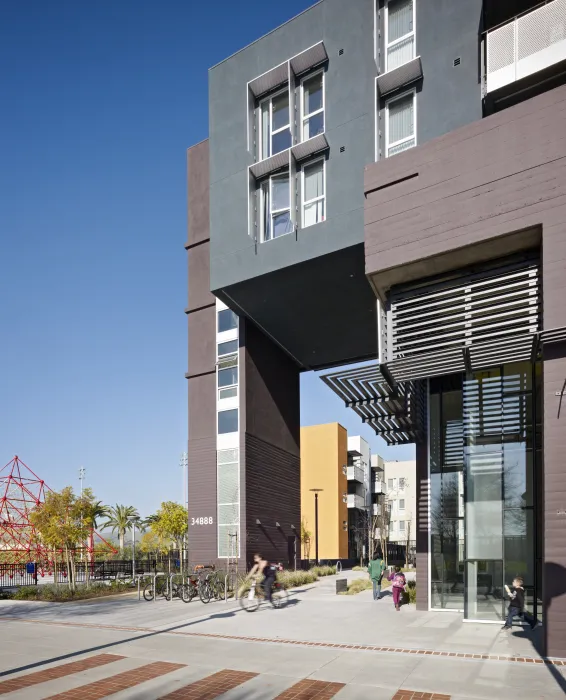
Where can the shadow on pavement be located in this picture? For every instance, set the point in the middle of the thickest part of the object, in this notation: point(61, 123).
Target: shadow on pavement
point(554, 577)
point(217, 616)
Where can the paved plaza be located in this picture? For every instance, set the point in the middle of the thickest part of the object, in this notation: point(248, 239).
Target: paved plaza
point(320, 646)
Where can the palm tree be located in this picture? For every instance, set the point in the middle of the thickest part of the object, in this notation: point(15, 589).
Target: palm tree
point(120, 520)
point(94, 511)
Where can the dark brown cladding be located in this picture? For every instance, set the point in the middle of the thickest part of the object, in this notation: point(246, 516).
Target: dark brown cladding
point(490, 188)
point(270, 425)
point(201, 365)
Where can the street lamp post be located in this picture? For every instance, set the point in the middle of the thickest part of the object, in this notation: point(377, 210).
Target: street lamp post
point(316, 492)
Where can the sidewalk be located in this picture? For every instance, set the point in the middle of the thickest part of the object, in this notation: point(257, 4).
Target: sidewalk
point(318, 636)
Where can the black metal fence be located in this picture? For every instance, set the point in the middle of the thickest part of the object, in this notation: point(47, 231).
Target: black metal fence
point(18, 575)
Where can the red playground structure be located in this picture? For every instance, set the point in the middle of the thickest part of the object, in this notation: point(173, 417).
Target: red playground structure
point(21, 491)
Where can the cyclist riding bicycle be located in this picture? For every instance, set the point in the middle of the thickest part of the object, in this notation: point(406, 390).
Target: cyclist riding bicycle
point(269, 571)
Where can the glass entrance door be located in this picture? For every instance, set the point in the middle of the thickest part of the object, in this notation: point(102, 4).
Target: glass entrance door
point(484, 590)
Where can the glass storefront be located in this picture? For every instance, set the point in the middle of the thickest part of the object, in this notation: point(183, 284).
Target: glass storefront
point(485, 466)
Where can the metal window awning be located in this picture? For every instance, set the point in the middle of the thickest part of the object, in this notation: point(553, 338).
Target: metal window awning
point(399, 77)
point(395, 412)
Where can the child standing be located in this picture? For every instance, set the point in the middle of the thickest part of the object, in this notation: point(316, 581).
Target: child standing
point(399, 583)
point(517, 605)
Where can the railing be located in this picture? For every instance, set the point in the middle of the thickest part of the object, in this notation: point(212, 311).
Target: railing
point(355, 474)
point(378, 486)
point(526, 44)
point(376, 509)
point(12, 575)
point(355, 501)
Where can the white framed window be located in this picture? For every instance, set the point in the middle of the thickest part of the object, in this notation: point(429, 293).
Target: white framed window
point(314, 192)
point(274, 125)
point(228, 377)
point(275, 207)
point(400, 123)
point(391, 484)
point(228, 421)
point(401, 526)
point(227, 348)
point(227, 320)
point(401, 504)
point(401, 484)
point(393, 525)
point(312, 105)
point(399, 33)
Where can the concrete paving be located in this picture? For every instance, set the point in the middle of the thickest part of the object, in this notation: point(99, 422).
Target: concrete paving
point(35, 634)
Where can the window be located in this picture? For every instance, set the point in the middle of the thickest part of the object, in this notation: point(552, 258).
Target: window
point(401, 504)
point(401, 526)
point(314, 197)
point(228, 421)
point(275, 207)
point(393, 525)
point(391, 484)
point(274, 125)
point(227, 377)
point(312, 106)
point(401, 484)
point(227, 348)
point(400, 32)
point(227, 320)
point(400, 132)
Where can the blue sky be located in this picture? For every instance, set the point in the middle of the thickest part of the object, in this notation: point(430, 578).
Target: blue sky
point(100, 100)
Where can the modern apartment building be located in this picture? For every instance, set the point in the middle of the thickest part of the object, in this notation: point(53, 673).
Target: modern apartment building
point(324, 458)
point(359, 496)
point(401, 488)
point(387, 181)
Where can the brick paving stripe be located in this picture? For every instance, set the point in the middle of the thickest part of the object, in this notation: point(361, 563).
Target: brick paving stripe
point(121, 681)
point(211, 686)
point(50, 674)
point(311, 690)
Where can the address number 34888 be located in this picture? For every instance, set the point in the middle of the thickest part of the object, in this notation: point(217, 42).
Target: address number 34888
point(202, 521)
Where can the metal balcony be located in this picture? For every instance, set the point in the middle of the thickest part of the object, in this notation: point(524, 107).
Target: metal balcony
point(525, 45)
point(376, 509)
point(355, 501)
point(356, 474)
point(379, 486)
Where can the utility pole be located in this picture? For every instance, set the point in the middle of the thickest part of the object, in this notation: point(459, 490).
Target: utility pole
point(82, 472)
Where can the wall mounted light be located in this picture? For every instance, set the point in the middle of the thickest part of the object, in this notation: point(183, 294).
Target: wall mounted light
point(257, 521)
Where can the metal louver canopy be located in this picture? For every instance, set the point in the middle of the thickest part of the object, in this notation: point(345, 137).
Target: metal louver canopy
point(467, 324)
point(396, 413)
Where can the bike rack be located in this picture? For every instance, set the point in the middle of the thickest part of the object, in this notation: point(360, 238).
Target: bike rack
point(171, 582)
point(155, 576)
point(139, 578)
point(338, 564)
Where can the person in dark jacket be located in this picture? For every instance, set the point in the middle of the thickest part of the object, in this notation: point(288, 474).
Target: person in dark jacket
point(517, 605)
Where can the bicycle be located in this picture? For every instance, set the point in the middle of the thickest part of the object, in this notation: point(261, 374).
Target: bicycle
point(250, 602)
point(215, 584)
point(161, 588)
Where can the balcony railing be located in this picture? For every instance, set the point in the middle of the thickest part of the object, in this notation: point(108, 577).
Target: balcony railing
point(356, 474)
point(376, 510)
point(355, 501)
point(526, 45)
point(378, 486)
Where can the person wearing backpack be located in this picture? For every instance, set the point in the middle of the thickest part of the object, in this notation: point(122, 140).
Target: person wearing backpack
point(398, 586)
point(376, 568)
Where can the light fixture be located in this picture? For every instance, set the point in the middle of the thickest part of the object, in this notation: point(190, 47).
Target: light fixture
point(257, 521)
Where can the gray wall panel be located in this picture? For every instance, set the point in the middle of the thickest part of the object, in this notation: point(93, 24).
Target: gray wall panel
point(198, 193)
point(199, 276)
point(349, 93)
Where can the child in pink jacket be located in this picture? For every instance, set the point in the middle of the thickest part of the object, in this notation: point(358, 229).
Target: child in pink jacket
point(399, 583)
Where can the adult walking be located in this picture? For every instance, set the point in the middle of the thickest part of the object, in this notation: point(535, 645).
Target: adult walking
point(376, 569)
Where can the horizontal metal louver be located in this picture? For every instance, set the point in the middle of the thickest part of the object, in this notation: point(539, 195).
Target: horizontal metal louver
point(396, 413)
point(468, 324)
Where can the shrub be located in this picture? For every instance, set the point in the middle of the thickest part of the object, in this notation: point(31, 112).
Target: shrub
point(359, 568)
point(358, 585)
point(412, 592)
point(323, 570)
point(60, 594)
